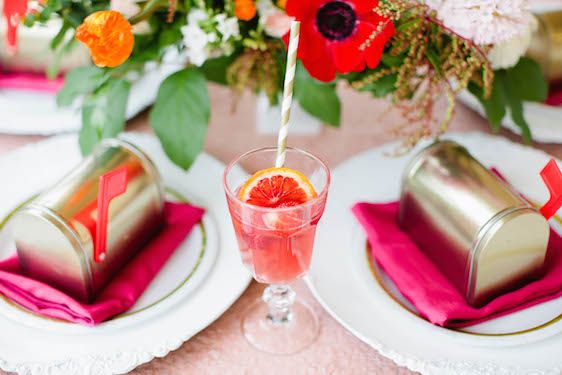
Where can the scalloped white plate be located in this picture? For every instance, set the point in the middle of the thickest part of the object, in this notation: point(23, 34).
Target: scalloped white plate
point(342, 281)
point(201, 280)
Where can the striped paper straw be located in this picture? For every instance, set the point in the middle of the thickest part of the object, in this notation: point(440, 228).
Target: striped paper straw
point(288, 93)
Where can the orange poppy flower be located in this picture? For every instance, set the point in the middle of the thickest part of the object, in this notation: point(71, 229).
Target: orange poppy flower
point(109, 36)
point(244, 10)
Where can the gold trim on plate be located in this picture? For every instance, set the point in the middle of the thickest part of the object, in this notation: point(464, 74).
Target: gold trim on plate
point(375, 271)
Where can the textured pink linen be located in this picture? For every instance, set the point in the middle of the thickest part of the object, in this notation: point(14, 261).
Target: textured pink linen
point(121, 293)
point(421, 282)
point(30, 81)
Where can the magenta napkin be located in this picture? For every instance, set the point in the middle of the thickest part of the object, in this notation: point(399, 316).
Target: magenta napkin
point(421, 282)
point(555, 95)
point(121, 293)
point(30, 82)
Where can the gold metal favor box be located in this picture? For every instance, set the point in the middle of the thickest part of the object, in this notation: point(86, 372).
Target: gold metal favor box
point(78, 234)
point(479, 232)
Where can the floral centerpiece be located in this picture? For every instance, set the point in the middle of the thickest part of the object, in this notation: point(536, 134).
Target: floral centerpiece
point(414, 52)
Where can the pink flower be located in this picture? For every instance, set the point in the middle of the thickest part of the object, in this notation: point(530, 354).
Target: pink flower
point(277, 24)
point(484, 21)
point(275, 21)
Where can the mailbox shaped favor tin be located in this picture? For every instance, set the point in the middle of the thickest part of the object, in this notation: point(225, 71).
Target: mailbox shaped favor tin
point(483, 236)
point(78, 234)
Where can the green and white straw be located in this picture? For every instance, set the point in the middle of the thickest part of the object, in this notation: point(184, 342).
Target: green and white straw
point(288, 93)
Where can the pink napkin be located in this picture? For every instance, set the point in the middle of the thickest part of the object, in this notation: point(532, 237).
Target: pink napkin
point(121, 293)
point(555, 96)
point(419, 280)
point(30, 81)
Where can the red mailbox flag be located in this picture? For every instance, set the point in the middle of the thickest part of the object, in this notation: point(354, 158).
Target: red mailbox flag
point(552, 178)
point(111, 185)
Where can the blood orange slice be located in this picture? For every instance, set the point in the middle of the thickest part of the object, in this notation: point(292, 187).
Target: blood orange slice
point(277, 187)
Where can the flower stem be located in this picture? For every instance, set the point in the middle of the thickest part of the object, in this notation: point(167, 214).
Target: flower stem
point(150, 7)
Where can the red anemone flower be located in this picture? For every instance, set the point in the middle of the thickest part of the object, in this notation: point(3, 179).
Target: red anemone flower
point(339, 36)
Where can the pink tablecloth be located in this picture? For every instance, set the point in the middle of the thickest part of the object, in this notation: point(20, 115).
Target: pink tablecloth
point(220, 349)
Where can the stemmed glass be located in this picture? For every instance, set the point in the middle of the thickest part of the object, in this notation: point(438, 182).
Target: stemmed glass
point(276, 246)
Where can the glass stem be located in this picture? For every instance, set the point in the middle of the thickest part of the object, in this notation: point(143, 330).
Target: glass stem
point(279, 298)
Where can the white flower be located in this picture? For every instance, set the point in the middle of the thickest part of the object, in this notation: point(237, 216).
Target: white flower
point(507, 54)
point(483, 21)
point(195, 16)
point(172, 56)
point(195, 41)
point(275, 22)
point(207, 36)
point(212, 37)
point(129, 8)
point(228, 27)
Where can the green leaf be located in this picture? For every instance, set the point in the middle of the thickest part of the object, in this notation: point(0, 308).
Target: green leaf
point(410, 23)
point(171, 33)
point(215, 69)
point(60, 36)
point(495, 105)
point(103, 113)
point(515, 103)
point(382, 86)
point(527, 81)
point(80, 81)
point(392, 61)
point(180, 116)
point(317, 98)
point(52, 70)
point(434, 59)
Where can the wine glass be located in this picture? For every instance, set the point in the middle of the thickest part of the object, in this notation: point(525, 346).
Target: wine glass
point(276, 245)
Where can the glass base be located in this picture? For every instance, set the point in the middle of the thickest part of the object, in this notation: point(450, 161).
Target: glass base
point(290, 336)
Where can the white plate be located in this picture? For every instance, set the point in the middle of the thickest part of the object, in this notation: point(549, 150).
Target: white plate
point(342, 281)
point(45, 118)
point(203, 278)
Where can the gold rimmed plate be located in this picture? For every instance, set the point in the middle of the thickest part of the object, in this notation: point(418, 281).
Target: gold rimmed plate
point(184, 271)
point(198, 283)
point(532, 319)
point(357, 293)
point(518, 323)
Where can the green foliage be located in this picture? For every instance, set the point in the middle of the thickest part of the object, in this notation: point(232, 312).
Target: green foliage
point(79, 82)
point(527, 81)
point(103, 113)
point(317, 98)
point(417, 67)
point(494, 105)
point(215, 70)
point(511, 88)
point(181, 115)
point(382, 86)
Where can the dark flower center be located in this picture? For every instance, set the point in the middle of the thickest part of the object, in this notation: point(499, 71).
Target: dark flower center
point(336, 20)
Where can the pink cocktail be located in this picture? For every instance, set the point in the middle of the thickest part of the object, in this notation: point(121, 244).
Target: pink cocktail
point(276, 253)
point(276, 245)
